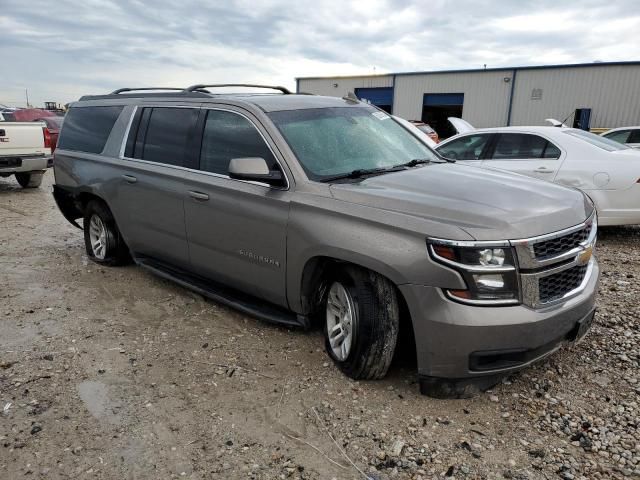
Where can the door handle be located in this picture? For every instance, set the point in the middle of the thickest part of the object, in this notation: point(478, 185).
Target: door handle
point(543, 170)
point(203, 197)
point(130, 178)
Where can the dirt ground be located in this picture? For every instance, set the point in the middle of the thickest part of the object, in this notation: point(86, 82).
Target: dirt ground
point(112, 373)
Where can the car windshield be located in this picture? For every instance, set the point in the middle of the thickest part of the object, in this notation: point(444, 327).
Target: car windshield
point(597, 140)
point(330, 142)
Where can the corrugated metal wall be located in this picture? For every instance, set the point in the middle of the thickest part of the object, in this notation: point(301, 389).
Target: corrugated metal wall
point(325, 86)
point(612, 92)
point(486, 95)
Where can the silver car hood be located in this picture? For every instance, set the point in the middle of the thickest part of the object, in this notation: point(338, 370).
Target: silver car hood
point(487, 204)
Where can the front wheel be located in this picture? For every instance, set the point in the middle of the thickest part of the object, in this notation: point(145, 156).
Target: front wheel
point(29, 179)
point(362, 320)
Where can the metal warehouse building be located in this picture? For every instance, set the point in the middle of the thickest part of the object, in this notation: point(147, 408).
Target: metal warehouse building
point(592, 95)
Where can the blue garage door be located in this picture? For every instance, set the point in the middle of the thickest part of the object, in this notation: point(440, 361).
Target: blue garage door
point(441, 99)
point(377, 96)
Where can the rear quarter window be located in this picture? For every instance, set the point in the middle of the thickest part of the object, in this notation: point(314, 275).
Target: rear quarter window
point(86, 129)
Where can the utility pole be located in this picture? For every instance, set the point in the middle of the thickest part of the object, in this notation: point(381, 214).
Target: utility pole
point(26, 94)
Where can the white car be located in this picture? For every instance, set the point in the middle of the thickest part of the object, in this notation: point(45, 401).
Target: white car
point(607, 171)
point(630, 136)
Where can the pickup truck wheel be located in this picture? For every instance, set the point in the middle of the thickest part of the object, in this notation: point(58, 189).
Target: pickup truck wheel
point(29, 179)
point(102, 239)
point(362, 319)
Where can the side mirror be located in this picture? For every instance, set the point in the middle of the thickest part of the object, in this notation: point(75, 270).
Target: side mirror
point(254, 169)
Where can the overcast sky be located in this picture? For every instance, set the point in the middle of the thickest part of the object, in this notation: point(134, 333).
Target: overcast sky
point(60, 50)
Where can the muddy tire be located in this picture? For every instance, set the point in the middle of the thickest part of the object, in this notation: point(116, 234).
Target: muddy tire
point(362, 321)
point(102, 239)
point(29, 179)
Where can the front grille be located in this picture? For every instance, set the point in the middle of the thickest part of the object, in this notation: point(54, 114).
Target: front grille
point(556, 246)
point(557, 285)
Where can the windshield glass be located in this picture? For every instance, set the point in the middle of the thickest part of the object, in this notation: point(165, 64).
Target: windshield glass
point(336, 141)
point(597, 140)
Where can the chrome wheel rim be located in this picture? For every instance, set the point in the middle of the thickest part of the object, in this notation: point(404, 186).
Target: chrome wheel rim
point(340, 321)
point(98, 237)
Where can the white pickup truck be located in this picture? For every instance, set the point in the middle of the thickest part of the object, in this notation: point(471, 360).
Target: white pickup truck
point(25, 151)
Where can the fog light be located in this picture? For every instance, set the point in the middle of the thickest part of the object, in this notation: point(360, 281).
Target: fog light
point(489, 282)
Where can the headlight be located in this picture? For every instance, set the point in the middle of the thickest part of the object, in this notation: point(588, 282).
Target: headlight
point(489, 271)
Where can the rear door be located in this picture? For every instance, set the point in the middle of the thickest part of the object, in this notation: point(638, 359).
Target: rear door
point(525, 153)
point(237, 230)
point(151, 191)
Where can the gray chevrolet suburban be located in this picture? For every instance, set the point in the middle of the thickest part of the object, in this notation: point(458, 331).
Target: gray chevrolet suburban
point(302, 210)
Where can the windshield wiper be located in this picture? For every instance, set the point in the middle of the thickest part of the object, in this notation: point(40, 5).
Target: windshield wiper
point(363, 172)
point(414, 163)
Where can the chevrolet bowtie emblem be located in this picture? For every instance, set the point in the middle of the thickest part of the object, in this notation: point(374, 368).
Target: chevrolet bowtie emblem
point(585, 256)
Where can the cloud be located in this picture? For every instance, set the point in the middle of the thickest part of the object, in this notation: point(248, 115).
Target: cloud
point(66, 49)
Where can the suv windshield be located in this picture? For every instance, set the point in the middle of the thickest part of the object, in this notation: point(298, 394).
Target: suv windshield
point(330, 142)
point(597, 140)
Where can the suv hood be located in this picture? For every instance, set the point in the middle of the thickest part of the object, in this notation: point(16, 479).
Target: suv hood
point(487, 204)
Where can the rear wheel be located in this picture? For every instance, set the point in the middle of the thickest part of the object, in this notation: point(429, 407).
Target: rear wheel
point(362, 320)
point(29, 179)
point(102, 239)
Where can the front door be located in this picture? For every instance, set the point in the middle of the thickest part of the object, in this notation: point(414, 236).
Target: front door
point(236, 229)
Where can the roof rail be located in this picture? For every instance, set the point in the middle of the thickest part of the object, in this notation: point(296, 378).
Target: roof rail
point(123, 90)
point(194, 88)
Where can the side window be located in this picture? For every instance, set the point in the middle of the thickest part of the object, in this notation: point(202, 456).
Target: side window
point(86, 129)
point(229, 135)
point(469, 147)
point(621, 136)
point(166, 136)
point(634, 137)
point(523, 146)
point(551, 151)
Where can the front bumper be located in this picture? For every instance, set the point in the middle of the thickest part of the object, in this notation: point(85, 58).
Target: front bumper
point(456, 341)
point(18, 164)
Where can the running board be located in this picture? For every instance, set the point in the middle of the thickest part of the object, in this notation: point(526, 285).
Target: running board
point(235, 299)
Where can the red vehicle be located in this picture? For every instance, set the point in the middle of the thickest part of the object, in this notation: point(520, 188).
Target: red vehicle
point(53, 126)
point(29, 114)
point(426, 129)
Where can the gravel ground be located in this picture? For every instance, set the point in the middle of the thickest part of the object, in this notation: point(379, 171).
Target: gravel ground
point(114, 373)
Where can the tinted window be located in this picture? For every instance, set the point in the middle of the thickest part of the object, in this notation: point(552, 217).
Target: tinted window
point(469, 147)
point(634, 137)
point(595, 140)
point(621, 136)
point(520, 145)
point(551, 151)
point(229, 135)
point(167, 135)
point(86, 129)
